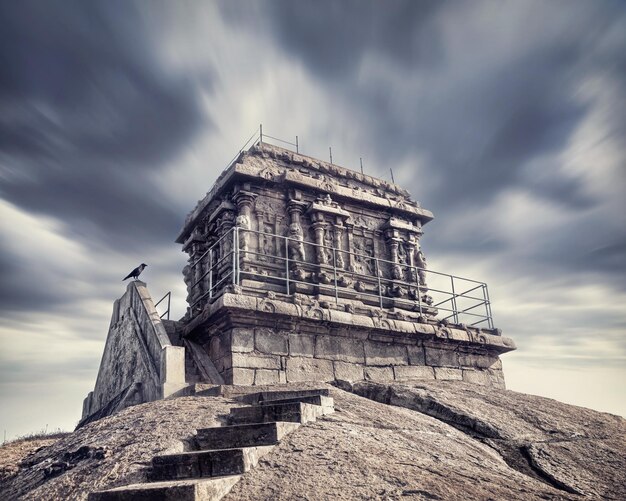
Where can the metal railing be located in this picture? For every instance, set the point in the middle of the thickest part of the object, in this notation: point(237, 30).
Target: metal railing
point(329, 271)
point(169, 300)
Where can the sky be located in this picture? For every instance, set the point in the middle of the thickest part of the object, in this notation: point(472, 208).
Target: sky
point(506, 119)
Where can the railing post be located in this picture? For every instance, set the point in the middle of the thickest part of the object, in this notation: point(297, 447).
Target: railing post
point(211, 271)
point(287, 262)
point(419, 293)
point(260, 133)
point(488, 306)
point(297, 147)
point(235, 253)
point(169, 301)
point(455, 310)
point(380, 287)
point(335, 273)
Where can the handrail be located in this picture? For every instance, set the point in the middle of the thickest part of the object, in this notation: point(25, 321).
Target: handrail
point(169, 299)
point(227, 269)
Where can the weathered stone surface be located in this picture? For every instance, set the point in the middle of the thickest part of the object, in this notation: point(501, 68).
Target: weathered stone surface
point(266, 376)
point(223, 364)
point(385, 354)
point(452, 440)
point(271, 341)
point(477, 376)
point(479, 360)
point(416, 355)
point(497, 378)
point(219, 345)
point(410, 372)
point(379, 374)
point(309, 369)
point(251, 435)
point(348, 372)
point(242, 340)
point(301, 345)
point(339, 348)
point(446, 373)
point(440, 356)
point(239, 376)
point(181, 490)
point(295, 412)
point(570, 450)
point(256, 361)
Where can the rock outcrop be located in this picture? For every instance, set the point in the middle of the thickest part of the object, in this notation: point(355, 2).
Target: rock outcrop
point(426, 440)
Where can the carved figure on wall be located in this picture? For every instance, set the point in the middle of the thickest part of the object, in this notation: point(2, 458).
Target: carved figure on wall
point(420, 262)
point(267, 247)
point(296, 242)
point(363, 256)
point(402, 256)
point(328, 244)
point(243, 222)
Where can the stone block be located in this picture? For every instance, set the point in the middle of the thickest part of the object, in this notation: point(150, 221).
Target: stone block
point(229, 437)
point(339, 348)
point(440, 356)
point(219, 346)
point(301, 345)
point(390, 338)
point(477, 377)
point(379, 374)
point(270, 341)
point(244, 377)
point(348, 372)
point(242, 340)
point(266, 376)
point(409, 372)
point(309, 369)
point(224, 363)
point(445, 373)
point(459, 335)
point(426, 329)
point(181, 490)
point(173, 364)
point(385, 354)
point(251, 361)
point(239, 301)
point(497, 378)
point(295, 412)
point(480, 361)
point(416, 355)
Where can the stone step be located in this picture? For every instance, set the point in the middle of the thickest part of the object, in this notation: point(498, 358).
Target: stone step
point(268, 396)
point(242, 435)
point(202, 464)
point(327, 403)
point(296, 412)
point(211, 489)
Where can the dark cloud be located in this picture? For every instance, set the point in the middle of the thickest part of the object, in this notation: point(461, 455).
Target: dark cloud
point(332, 37)
point(499, 124)
point(88, 118)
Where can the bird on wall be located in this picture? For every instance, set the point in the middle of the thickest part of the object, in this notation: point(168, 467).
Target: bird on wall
point(136, 272)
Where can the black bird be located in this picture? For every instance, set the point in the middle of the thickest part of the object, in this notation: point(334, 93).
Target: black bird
point(136, 272)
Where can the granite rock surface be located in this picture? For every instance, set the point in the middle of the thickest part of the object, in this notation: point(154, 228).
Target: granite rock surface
point(425, 440)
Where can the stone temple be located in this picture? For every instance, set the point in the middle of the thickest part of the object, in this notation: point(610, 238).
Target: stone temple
point(300, 270)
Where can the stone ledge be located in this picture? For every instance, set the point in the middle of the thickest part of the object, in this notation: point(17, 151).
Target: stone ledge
point(398, 330)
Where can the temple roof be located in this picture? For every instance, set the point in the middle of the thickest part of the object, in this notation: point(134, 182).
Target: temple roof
point(271, 163)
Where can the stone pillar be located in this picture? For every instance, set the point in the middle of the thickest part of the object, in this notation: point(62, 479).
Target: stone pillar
point(296, 234)
point(338, 234)
point(244, 200)
point(319, 226)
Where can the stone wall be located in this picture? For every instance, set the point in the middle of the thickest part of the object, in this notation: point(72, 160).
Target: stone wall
point(139, 363)
point(253, 343)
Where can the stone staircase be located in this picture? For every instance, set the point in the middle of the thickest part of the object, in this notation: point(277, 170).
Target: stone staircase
point(222, 454)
